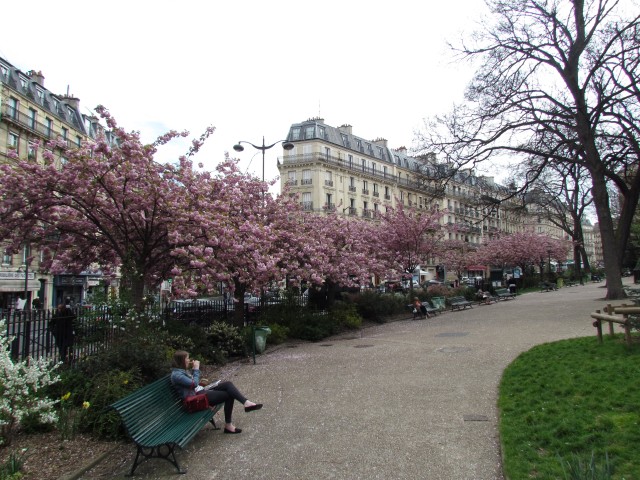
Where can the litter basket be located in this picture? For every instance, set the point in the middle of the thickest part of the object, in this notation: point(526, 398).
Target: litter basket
point(259, 339)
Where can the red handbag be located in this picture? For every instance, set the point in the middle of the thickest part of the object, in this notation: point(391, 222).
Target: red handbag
point(196, 403)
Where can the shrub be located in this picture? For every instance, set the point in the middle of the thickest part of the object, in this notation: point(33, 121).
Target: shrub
point(346, 315)
point(375, 307)
point(23, 389)
point(224, 341)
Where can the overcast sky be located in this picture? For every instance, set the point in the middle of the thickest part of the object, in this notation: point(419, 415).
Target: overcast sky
point(249, 68)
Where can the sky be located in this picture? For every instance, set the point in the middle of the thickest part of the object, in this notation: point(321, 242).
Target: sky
point(249, 68)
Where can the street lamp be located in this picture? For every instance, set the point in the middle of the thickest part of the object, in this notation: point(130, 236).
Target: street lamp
point(239, 148)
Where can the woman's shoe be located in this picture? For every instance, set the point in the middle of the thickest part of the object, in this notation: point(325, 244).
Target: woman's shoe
point(237, 430)
point(257, 406)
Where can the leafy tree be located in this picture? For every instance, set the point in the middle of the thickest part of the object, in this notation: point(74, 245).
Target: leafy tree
point(558, 82)
point(524, 249)
point(410, 237)
point(108, 205)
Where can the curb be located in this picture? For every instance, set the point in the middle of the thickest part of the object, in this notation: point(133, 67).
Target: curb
point(88, 466)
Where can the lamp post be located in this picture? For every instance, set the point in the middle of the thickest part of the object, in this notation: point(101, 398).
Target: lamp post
point(239, 148)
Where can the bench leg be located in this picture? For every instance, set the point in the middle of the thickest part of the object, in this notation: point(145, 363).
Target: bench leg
point(145, 454)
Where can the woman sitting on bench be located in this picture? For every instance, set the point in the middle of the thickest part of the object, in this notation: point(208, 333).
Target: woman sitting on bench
point(185, 382)
point(419, 308)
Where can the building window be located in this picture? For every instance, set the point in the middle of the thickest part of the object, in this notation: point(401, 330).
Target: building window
point(359, 144)
point(24, 83)
point(306, 177)
point(381, 153)
point(369, 149)
point(78, 140)
point(56, 105)
point(328, 179)
point(6, 257)
point(375, 190)
point(71, 113)
point(26, 251)
point(397, 159)
point(365, 187)
point(291, 175)
point(373, 167)
point(40, 93)
point(387, 196)
point(327, 152)
point(321, 132)
point(13, 141)
point(295, 133)
point(329, 205)
point(384, 171)
point(364, 164)
point(12, 110)
point(307, 204)
point(65, 133)
point(48, 126)
point(345, 139)
point(309, 132)
point(350, 161)
point(32, 151)
point(4, 71)
point(33, 115)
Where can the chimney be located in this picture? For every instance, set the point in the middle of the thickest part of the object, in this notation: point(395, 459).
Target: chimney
point(36, 77)
point(381, 142)
point(71, 101)
point(402, 150)
point(345, 129)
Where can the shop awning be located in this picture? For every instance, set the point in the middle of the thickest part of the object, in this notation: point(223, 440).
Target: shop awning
point(477, 267)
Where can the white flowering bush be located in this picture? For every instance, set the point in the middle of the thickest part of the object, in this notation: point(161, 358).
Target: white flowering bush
point(20, 388)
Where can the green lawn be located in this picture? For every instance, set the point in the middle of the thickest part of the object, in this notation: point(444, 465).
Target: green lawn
point(572, 399)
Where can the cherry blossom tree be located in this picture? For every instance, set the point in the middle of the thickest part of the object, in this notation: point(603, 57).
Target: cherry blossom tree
point(523, 249)
point(236, 233)
point(108, 204)
point(346, 251)
point(410, 237)
point(457, 255)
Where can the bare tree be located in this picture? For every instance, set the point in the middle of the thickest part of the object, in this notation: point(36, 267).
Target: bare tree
point(561, 195)
point(558, 82)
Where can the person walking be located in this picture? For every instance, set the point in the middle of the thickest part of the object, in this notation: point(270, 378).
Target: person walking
point(61, 327)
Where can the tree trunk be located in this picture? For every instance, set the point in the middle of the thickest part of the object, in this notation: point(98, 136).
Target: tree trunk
point(609, 243)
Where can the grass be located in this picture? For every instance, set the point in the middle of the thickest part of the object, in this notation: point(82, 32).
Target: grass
point(572, 402)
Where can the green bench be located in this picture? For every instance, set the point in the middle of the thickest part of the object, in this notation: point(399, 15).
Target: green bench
point(427, 306)
point(459, 303)
point(156, 421)
point(504, 294)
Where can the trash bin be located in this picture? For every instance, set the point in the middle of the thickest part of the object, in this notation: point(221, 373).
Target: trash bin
point(560, 282)
point(260, 337)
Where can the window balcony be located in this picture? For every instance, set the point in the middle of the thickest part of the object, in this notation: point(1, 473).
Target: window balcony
point(328, 183)
point(307, 206)
point(352, 189)
point(365, 191)
point(305, 181)
point(376, 194)
point(292, 183)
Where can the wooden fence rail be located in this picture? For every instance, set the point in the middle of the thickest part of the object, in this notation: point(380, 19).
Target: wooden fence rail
point(615, 314)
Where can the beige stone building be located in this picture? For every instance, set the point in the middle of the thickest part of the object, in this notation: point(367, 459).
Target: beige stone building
point(30, 116)
point(332, 169)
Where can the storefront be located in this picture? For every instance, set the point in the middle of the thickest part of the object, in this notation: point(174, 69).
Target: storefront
point(75, 289)
point(15, 284)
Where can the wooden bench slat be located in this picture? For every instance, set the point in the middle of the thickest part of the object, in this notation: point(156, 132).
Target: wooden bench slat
point(154, 416)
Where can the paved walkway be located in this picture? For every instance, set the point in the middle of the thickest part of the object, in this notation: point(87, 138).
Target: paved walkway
point(403, 400)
